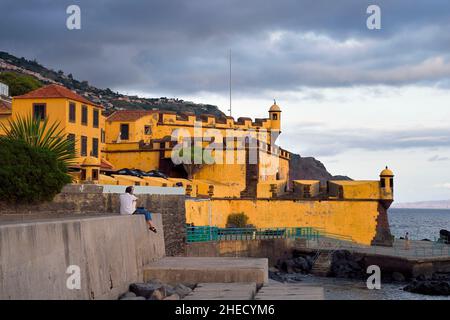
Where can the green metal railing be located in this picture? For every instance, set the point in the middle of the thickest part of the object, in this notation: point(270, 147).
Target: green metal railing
point(209, 233)
point(335, 236)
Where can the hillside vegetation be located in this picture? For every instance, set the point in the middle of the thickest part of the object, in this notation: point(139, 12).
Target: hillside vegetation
point(19, 83)
point(26, 75)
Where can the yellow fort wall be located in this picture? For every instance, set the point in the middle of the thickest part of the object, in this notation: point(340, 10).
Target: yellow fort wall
point(355, 219)
point(356, 189)
point(143, 160)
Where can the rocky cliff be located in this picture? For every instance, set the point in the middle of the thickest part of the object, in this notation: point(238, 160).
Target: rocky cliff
point(309, 168)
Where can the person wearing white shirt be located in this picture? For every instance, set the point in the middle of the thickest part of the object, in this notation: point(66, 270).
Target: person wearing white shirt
point(128, 203)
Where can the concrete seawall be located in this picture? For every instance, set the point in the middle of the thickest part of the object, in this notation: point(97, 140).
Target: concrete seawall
point(109, 250)
point(78, 200)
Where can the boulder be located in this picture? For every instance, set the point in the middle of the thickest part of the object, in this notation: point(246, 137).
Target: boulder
point(285, 277)
point(128, 294)
point(172, 297)
point(429, 287)
point(444, 236)
point(277, 276)
point(273, 269)
point(301, 264)
point(133, 298)
point(288, 266)
point(157, 295)
point(442, 276)
point(423, 277)
point(294, 265)
point(345, 265)
point(310, 261)
point(144, 289)
point(397, 276)
point(190, 285)
point(167, 290)
point(182, 290)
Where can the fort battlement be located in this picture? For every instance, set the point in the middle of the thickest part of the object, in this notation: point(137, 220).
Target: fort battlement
point(210, 121)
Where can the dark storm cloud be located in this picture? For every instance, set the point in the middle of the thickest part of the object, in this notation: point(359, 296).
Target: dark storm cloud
point(180, 47)
point(323, 141)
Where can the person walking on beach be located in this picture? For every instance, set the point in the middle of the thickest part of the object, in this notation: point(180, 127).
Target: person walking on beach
point(407, 244)
point(128, 206)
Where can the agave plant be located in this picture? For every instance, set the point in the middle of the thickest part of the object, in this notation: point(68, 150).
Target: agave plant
point(40, 134)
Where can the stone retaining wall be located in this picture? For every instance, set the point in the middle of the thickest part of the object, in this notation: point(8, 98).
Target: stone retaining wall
point(92, 200)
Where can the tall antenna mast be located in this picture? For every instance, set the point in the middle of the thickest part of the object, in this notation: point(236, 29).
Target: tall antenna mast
point(230, 85)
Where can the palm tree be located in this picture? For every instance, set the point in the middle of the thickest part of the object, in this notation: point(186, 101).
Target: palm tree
point(40, 134)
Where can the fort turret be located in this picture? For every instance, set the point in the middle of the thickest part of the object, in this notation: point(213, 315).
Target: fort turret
point(387, 184)
point(275, 117)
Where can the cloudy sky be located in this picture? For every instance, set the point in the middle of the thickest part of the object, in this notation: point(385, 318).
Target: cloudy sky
point(356, 99)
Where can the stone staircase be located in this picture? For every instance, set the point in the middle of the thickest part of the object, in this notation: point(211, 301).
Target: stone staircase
point(322, 265)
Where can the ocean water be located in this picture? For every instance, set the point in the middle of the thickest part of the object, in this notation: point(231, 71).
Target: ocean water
point(420, 223)
point(346, 289)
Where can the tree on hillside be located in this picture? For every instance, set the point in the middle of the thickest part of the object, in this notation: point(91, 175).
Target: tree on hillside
point(34, 160)
point(19, 83)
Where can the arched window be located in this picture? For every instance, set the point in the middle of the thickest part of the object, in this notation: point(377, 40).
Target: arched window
point(274, 116)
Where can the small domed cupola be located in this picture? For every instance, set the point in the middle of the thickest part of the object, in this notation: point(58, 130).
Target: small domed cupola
point(386, 173)
point(90, 169)
point(387, 183)
point(274, 107)
point(275, 116)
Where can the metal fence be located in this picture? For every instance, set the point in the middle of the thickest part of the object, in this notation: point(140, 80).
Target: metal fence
point(209, 233)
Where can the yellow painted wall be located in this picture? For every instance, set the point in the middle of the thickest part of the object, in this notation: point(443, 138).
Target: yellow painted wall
point(220, 190)
point(224, 173)
point(264, 189)
point(144, 160)
point(4, 120)
point(158, 182)
point(275, 123)
point(136, 129)
point(356, 189)
point(356, 219)
point(313, 185)
point(57, 110)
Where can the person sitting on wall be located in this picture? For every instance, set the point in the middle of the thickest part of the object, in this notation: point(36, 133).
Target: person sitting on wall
point(128, 206)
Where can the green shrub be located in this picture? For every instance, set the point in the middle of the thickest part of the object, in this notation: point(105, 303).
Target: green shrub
point(19, 83)
point(237, 220)
point(29, 174)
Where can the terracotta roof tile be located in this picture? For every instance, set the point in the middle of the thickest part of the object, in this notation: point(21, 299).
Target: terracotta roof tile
point(55, 91)
point(106, 165)
point(129, 115)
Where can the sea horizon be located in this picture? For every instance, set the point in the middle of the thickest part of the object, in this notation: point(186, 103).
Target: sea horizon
point(419, 223)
